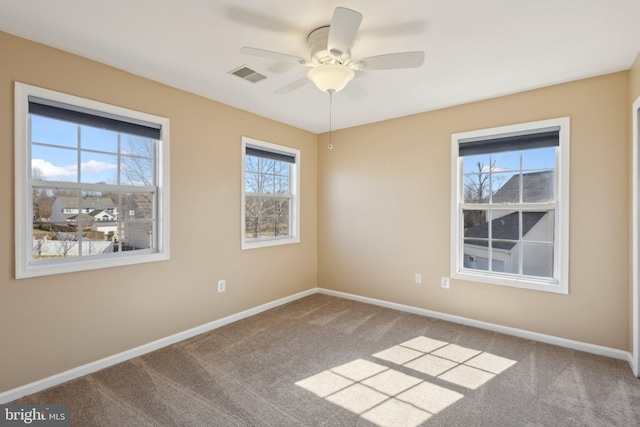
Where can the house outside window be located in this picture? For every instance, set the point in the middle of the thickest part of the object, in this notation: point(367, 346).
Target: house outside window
point(510, 205)
point(270, 202)
point(79, 164)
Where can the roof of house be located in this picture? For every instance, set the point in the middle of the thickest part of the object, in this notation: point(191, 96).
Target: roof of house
point(83, 217)
point(537, 188)
point(87, 202)
point(95, 212)
point(505, 228)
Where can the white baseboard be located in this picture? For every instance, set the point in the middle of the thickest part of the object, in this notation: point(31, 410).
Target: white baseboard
point(549, 339)
point(34, 387)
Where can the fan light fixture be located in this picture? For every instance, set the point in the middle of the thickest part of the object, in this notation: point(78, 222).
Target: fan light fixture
point(331, 77)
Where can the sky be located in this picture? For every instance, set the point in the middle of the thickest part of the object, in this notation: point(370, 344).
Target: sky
point(54, 153)
point(508, 164)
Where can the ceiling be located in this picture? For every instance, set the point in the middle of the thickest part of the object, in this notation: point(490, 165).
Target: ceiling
point(474, 49)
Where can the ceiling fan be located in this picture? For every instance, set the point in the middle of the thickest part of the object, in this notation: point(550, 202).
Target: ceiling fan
point(331, 63)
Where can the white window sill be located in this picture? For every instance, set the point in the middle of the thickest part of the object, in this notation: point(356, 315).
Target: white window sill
point(549, 285)
point(254, 244)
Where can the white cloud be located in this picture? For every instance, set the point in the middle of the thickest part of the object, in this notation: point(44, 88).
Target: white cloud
point(485, 169)
point(93, 166)
point(47, 170)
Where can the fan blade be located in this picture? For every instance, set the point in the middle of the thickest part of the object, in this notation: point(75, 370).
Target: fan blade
point(392, 61)
point(297, 84)
point(271, 55)
point(342, 31)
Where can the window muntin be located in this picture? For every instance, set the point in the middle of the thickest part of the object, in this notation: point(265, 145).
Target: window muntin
point(269, 198)
point(79, 165)
point(509, 205)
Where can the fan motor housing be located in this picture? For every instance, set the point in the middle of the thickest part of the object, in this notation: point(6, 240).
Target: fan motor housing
point(318, 41)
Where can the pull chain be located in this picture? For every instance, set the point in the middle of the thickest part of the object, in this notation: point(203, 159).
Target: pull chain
point(330, 146)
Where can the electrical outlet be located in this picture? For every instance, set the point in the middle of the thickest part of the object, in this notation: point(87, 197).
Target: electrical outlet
point(444, 282)
point(418, 278)
point(222, 285)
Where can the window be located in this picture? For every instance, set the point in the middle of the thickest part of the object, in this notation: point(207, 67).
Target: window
point(75, 160)
point(270, 203)
point(510, 205)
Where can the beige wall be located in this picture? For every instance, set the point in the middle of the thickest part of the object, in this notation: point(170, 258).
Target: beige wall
point(56, 323)
point(384, 213)
point(634, 79)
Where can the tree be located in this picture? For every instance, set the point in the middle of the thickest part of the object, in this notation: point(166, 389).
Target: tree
point(476, 190)
point(266, 213)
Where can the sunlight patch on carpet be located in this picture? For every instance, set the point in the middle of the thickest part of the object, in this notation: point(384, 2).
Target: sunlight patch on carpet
point(388, 397)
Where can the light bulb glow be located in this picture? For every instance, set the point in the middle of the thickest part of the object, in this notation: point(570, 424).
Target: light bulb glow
point(329, 77)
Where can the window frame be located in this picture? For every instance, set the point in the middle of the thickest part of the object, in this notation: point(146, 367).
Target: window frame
point(25, 266)
point(294, 188)
point(560, 282)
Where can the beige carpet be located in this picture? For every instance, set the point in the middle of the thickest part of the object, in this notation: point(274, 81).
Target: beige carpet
point(326, 361)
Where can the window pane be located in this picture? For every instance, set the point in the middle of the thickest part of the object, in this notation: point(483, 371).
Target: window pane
point(506, 161)
point(281, 184)
point(137, 235)
point(498, 265)
point(538, 187)
point(54, 164)
point(98, 139)
point(505, 257)
point(98, 168)
point(267, 184)
point(282, 207)
point(475, 223)
point(478, 164)
point(540, 158)
point(267, 166)
point(251, 163)
point(54, 240)
point(505, 187)
point(138, 146)
point(282, 226)
point(95, 243)
point(267, 227)
point(251, 227)
point(537, 259)
point(252, 206)
point(475, 262)
point(43, 199)
point(137, 206)
point(282, 168)
point(251, 182)
point(51, 131)
point(282, 217)
point(268, 207)
point(538, 226)
point(476, 188)
point(505, 225)
point(136, 171)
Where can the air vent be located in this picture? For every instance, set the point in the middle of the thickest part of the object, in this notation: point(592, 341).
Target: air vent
point(248, 74)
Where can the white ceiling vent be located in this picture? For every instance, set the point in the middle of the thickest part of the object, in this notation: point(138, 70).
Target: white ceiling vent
point(248, 74)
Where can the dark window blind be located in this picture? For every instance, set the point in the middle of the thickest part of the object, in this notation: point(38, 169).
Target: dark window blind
point(267, 154)
point(541, 138)
point(87, 117)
